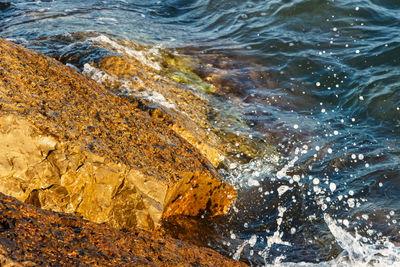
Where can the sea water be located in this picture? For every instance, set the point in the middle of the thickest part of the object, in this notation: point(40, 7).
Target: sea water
point(318, 79)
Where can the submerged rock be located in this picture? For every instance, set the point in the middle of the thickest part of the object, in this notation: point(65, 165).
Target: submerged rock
point(185, 111)
point(30, 236)
point(70, 145)
point(166, 85)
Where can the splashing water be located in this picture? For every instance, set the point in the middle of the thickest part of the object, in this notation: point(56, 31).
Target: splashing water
point(358, 253)
point(316, 80)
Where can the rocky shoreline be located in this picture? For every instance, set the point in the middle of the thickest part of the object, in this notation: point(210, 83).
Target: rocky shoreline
point(70, 145)
point(30, 236)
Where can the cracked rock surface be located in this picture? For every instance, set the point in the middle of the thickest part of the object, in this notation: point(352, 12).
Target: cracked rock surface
point(69, 145)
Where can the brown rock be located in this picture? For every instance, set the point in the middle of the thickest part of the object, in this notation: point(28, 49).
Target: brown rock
point(170, 88)
point(176, 106)
point(70, 145)
point(30, 236)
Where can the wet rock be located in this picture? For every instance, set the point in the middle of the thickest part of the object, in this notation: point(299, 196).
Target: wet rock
point(70, 145)
point(167, 85)
point(183, 110)
point(30, 236)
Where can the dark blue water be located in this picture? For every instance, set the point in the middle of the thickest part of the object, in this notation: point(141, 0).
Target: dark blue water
point(320, 80)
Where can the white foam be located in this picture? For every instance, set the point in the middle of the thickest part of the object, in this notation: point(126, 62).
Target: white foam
point(97, 75)
point(358, 253)
point(150, 57)
point(251, 173)
point(251, 242)
point(156, 97)
point(125, 86)
point(276, 238)
point(108, 20)
point(282, 172)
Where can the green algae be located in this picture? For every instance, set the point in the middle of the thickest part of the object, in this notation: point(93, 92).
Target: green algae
point(193, 80)
point(181, 69)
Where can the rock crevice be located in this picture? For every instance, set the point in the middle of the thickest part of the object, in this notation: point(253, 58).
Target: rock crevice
point(30, 237)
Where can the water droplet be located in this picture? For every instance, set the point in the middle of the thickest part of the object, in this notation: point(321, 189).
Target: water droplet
point(296, 126)
point(232, 166)
point(360, 156)
point(357, 51)
point(351, 202)
point(282, 189)
point(253, 240)
point(252, 182)
point(332, 187)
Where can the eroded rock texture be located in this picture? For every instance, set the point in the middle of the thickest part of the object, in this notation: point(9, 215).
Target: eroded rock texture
point(30, 237)
point(69, 145)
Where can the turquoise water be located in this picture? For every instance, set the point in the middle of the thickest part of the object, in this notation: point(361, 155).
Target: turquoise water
point(319, 79)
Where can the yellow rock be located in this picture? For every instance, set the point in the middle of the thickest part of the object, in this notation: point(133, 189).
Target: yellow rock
point(69, 145)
